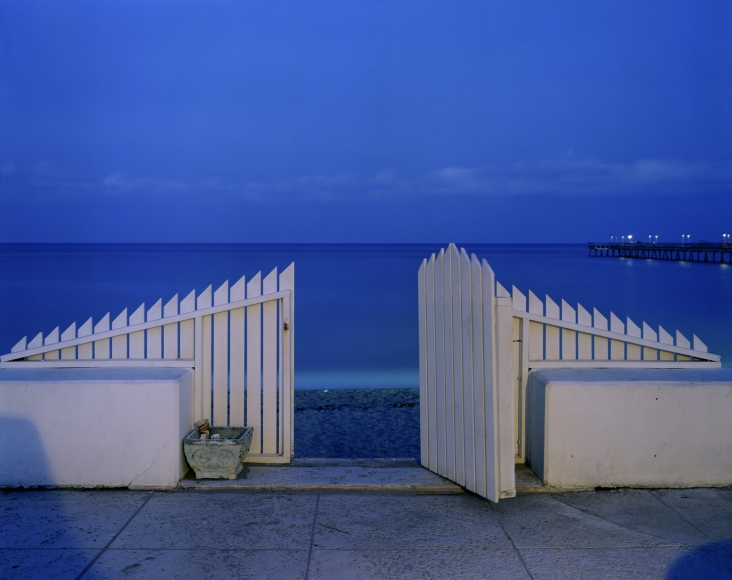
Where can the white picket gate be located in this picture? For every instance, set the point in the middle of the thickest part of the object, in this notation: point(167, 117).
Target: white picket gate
point(238, 340)
point(478, 344)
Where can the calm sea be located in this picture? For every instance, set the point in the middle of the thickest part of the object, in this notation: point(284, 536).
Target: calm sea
point(356, 305)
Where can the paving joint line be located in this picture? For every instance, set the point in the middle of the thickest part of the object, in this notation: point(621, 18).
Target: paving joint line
point(702, 532)
point(312, 536)
point(515, 549)
point(122, 529)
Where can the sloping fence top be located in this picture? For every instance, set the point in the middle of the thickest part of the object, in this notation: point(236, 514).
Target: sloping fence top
point(238, 340)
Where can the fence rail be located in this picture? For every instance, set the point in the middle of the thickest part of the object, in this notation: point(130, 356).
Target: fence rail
point(238, 340)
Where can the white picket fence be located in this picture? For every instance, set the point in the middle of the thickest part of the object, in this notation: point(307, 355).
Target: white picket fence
point(478, 344)
point(238, 340)
point(547, 335)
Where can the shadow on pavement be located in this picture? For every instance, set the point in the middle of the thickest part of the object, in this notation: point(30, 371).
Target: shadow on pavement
point(712, 561)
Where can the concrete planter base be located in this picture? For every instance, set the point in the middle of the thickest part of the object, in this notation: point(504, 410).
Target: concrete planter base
point(218, 458)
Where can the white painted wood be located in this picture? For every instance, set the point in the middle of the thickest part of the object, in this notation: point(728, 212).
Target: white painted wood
point(478, 372)
point(170, 331)
point(630, 364)
point(423, 387)
point(536, 341)
point(204, 360)
point(552, 308)
point(154, 345)
point(664, 337)
point(22, 344)
point(501, 292)
point(598, 320)
point(698, 344)
point(186, 329)
point(682, 341)
point(287, 405)
point(524, 375)
point(430, 322)
point(632, 329)
point(457, 349)
point(101, 347)
point(221, 357)
point(108, 363)
point(236, 355)
point(85, 351)
point(649, 334)
point(569, 337)
point(536, 306)
point(52, 338)
point(449, 368)
point(516, 355)
point(632, 351)
point(137, 339)
point(519, 300)
point(440, 365)
point(617, 347)
point(69, 352)
point(270, 336)
point(254, 363)
point(505, 372)
point(490, 380)
point(584, 318)
point(119, 343)
point(466, 352)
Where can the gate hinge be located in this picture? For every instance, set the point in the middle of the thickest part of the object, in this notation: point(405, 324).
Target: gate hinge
point(286, 326)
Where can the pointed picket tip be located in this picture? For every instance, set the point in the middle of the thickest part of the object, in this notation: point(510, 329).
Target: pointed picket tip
point(120, 321)
point(254, 286)
point(536, 306)
point(649, 333)
point(171, 307)
point(37, 341)
point(599, 320)
point(632, 329)
point(52, 337)
point(102, 325)
point(287, 277)
point(69, 333)
point(501, 292)
point(221, 295)
point(682, 341)
point(698, 344)
point(552, 308)
point(487, 266)
point(519, 300)
point(269, 284)
point(204, 298)
point(568, 313)
point(616, 325)
point(156, 310)
point(238, 291)
point(584, 318)
point(664, 337)
point(138, 316)
point(188, 304)
point(22, 344)
point(85, 329)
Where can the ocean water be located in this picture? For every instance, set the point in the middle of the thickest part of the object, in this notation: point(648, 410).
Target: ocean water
point(355, 305)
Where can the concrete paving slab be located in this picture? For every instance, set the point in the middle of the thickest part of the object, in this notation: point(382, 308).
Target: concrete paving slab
point(543, 521)
point(349, 478)
point(221, 520)
point(47, 564)
point(186, 564)
point(635, 509)
point(65, 519)
point(708, 510)
point(601, 563)
point(412, 564)
point(390, 521)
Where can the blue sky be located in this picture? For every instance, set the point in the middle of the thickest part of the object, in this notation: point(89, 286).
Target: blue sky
point(364, 121)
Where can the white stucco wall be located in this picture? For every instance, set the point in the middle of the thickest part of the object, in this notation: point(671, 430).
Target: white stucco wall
point(94, 427)
point(630, 427)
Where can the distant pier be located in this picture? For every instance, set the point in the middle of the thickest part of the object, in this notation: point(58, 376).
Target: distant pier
point(690, 252)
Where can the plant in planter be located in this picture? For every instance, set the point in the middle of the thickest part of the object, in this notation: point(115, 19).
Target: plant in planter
point(220, 455)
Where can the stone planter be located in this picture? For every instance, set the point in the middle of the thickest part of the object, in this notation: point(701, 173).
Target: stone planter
point(218, 458)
